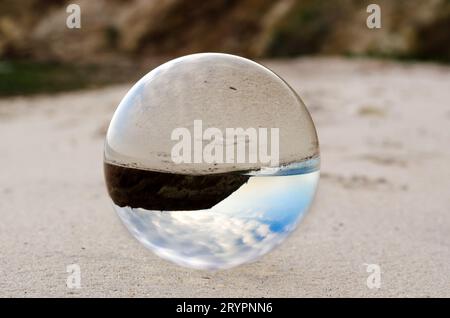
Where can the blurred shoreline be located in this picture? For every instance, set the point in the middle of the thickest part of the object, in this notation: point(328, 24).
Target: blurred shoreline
point(119, 41)
point(28, 78)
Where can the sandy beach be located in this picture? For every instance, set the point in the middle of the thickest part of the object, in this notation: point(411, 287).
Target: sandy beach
point(383, 197)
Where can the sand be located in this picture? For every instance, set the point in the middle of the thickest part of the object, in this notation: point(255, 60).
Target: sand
point(383, 197)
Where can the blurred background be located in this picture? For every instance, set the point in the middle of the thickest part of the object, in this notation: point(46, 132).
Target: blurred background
point(379, 99)
point(120, 40)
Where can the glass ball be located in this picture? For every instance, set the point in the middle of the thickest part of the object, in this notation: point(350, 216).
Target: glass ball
point(211, 160)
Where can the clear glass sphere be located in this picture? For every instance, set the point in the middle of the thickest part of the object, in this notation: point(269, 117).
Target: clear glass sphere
point(211, 160)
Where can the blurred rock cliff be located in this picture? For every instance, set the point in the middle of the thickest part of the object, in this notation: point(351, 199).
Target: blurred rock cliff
point(36, 30)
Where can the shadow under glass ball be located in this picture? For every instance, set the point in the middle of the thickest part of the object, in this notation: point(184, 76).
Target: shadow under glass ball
point(204, 215)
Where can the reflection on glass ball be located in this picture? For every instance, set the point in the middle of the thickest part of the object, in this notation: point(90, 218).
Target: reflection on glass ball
point(211, 160)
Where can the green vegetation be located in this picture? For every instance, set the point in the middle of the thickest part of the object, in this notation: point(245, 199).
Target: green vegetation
point(25, 78)
point(305, 29)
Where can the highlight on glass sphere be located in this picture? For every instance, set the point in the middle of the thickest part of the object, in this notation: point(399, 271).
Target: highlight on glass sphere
point(211, 160)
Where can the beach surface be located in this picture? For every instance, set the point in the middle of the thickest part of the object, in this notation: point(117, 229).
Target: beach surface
point(383, 197)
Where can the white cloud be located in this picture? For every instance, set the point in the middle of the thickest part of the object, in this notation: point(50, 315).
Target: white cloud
point(201, 239)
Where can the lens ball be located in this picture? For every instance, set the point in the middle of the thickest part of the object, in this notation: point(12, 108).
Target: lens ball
point(211, 160)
